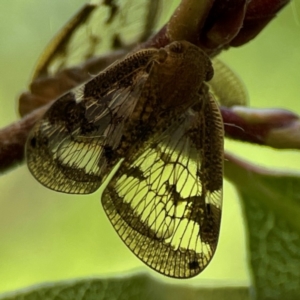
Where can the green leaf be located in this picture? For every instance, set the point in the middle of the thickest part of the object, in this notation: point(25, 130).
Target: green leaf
point(135, 285)
point(271, 204)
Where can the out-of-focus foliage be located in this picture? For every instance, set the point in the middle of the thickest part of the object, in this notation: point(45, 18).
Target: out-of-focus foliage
point(131, 286)
point(271, 205)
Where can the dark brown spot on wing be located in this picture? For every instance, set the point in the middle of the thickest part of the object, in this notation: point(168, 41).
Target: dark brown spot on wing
point(194, 265)
point(209, 229)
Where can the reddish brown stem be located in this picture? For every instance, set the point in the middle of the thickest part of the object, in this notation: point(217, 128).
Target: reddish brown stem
point(276, 128)
point(13, 139)
point(264, 127)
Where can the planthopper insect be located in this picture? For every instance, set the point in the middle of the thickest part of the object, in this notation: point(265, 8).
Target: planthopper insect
point(150, 121)
point(146, 129)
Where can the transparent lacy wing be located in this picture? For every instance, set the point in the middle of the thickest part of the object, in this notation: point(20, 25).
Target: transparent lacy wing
point(227, 86)
point(99, 27)
point(165, 199)
point(69, 149)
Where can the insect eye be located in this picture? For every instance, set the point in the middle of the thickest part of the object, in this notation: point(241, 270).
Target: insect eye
point(33, 142)
point(176, 47)
point(209, 74)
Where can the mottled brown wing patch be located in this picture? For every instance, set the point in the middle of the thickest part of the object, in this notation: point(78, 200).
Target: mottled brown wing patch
point(165, 200)
point(69, 149)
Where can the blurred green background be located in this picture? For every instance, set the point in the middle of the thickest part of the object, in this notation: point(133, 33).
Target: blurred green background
point(46, 236)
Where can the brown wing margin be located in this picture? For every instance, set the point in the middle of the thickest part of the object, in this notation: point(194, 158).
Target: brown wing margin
point(165, 201)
